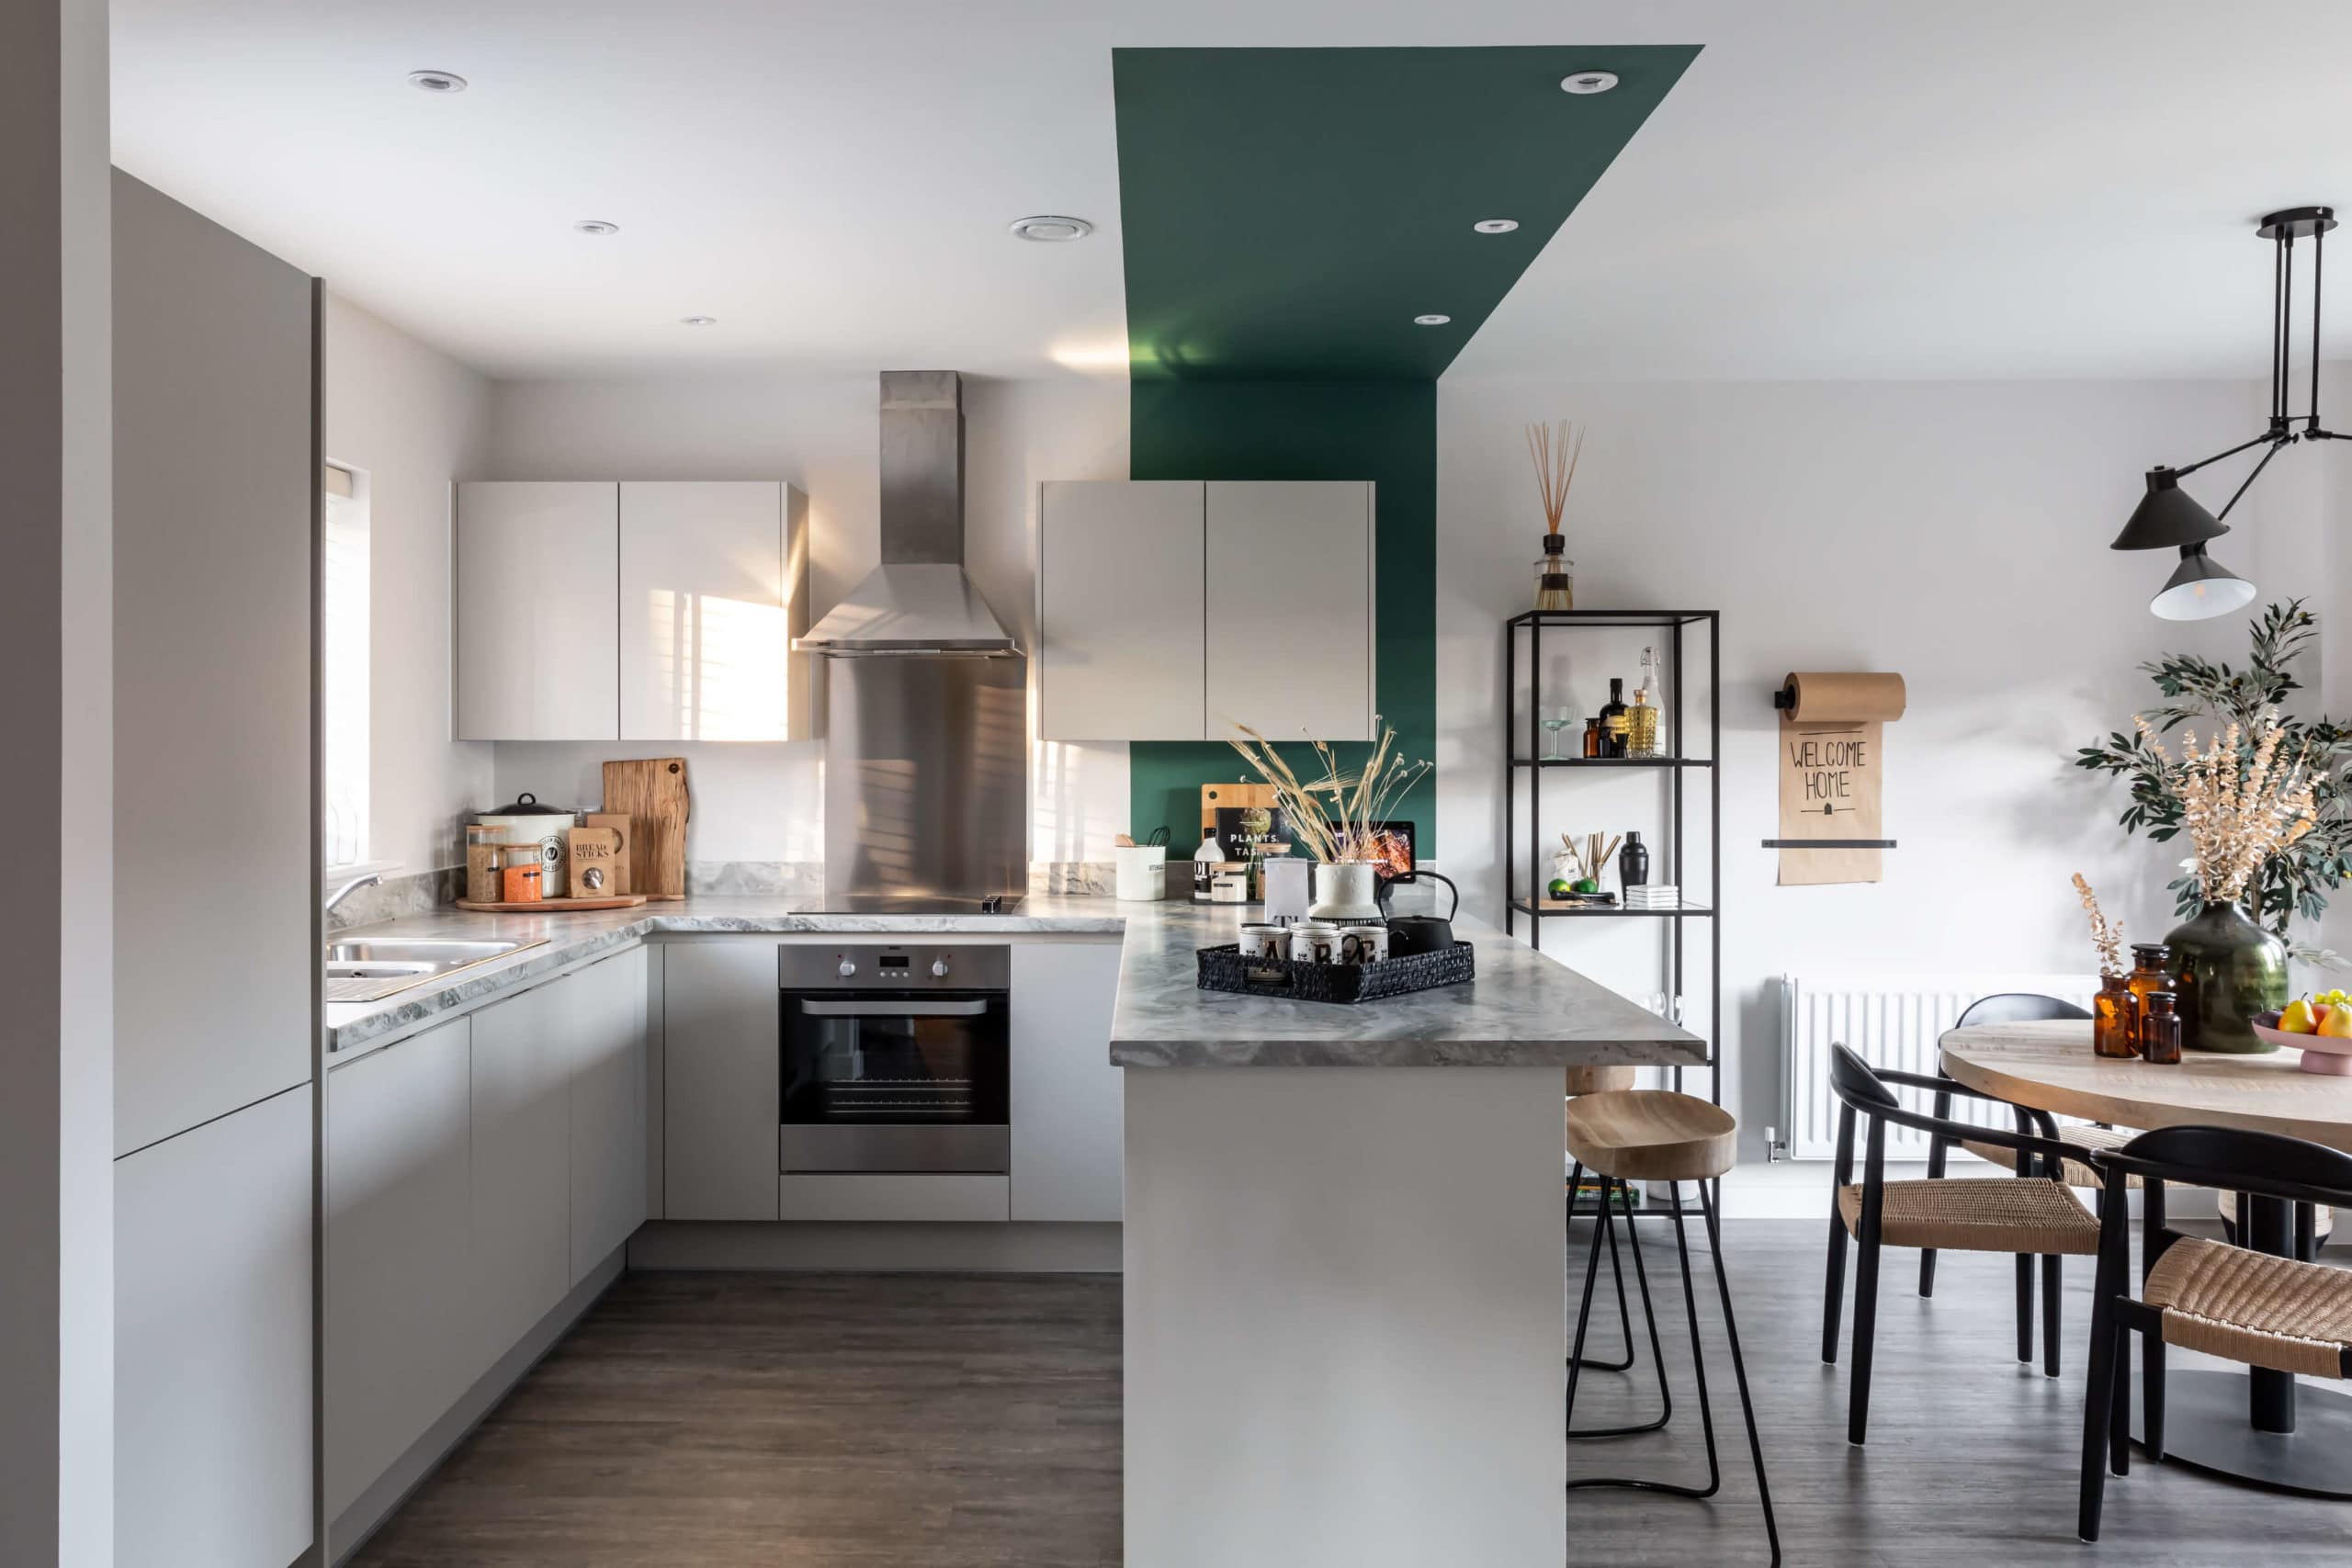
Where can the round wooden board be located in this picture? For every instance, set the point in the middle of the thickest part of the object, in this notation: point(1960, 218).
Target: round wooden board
point(554, 906)
point(2049, 1068)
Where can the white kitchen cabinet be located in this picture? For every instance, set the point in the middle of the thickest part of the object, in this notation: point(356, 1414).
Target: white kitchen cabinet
point(1068, 1102)
point(713, 589)
point(539, 610)
point(1290, 615)
point(720, 1089)
point(598, 1014)
point(521, 1206)
point(212, 1342)
point(1120, 596)
point(1173, 610)
point(399, 1261)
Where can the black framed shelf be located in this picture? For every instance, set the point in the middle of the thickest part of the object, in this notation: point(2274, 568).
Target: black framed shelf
point(1612, 761)
point(1607, 912)
point(1678, 779)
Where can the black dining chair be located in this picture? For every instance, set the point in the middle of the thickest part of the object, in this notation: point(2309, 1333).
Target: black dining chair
point(2033, 1213)
point(2010, 1007)
point(2278, 1314)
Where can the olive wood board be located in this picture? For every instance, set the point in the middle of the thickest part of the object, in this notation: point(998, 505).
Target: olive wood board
point(552, 906)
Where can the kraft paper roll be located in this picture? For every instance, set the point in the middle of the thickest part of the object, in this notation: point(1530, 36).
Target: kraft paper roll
point(1833, 698)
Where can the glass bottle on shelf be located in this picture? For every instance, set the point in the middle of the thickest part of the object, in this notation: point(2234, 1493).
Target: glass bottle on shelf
point(1593, 740)
point(1555, 585)
point(1641, 719)
point(2160, 1029)
point(1650, 692)
point(2113, 1017)
point(1612, 719)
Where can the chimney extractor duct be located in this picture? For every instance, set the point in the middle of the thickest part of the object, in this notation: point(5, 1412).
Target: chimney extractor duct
point(918, 601)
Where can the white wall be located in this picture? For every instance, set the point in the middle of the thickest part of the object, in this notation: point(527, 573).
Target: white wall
point(765, 801)
point(1954, 532)
point(415, 418)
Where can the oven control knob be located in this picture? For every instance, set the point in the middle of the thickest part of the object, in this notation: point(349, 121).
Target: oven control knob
point(939, 968)
point(849, 967)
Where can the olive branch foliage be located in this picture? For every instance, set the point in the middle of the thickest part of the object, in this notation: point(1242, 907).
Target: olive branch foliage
point(2299, 878)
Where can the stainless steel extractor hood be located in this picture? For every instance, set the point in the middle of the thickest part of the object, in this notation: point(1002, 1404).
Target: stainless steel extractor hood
point(918, 601)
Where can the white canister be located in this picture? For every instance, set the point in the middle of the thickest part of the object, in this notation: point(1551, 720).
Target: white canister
point(1314, 941)
point(1347, 892)
point(1285, 880)
point(525, 822)
point(1265, 943)
point(1142, 872)
point(1364, 944)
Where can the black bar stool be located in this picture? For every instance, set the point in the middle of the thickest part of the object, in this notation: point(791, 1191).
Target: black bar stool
point(1651, 1135)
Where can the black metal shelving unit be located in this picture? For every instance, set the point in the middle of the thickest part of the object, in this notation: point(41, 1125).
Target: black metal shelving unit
point(1526, 901)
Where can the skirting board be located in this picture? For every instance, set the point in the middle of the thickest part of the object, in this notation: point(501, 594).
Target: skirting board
point(1012, 1248)
point(381, 1501)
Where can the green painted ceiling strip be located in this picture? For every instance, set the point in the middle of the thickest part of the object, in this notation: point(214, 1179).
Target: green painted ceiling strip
point(1288, 212)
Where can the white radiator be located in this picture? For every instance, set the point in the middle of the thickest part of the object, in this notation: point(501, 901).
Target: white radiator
point(1889, 1021)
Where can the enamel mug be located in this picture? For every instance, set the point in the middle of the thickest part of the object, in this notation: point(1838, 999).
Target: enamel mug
point(1314, 942)
point(1264, 942)
point(1364, 944)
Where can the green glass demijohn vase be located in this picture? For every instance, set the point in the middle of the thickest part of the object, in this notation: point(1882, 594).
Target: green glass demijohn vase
point(2226, 969)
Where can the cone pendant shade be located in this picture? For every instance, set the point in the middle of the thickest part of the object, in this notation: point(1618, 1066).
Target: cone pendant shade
point(2167, 518)
point(2200, 588)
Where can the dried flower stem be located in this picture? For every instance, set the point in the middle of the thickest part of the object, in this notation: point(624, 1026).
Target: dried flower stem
point(1555, 466)
point(2105, 937)
point(1357, 801)
point(2238, 811)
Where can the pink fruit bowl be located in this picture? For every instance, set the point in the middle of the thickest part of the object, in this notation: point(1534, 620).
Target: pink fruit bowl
point(2321, 1054)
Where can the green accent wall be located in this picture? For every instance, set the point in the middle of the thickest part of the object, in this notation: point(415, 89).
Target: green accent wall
point(1285, 213)
point(1385, 431)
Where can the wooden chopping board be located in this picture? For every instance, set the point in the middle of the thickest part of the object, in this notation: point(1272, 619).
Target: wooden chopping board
point(554, 906)
point(652, 794)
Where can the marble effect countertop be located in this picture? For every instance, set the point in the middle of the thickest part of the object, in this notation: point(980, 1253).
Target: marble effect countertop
point(1523, 1010)
point(568, 939)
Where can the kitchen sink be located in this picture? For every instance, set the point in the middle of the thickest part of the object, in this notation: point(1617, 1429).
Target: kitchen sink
point(368, 969)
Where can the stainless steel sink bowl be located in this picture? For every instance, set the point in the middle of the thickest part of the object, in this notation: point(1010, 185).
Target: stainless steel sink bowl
point(368, 969)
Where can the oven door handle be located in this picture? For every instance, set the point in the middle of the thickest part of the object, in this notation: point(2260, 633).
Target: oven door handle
point(894, 1010)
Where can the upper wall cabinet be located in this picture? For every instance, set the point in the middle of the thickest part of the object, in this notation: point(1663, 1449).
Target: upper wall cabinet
point(1119, 582)
point(1172, 610)
point(538, 608)
point(709, 612)
point(662, 611)
point(1290, 609)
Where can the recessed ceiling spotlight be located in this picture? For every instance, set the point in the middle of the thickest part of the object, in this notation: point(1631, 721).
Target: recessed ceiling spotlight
point(1496, 225)
point(436, 81)
point(1585, 82)
point(596, 226)
point(697, 320)
point(1431, 320)
point(1050, 228)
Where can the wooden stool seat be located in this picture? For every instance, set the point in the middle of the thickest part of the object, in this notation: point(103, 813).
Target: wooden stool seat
point(1651, 1134)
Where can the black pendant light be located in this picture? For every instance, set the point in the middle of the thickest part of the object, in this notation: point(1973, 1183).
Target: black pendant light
point(2168, 517)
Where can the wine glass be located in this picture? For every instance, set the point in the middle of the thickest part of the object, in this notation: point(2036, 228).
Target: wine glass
point(1555, 720)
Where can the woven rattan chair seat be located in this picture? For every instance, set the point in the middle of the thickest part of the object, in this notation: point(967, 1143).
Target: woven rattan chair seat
point(2000, 1214)
point(2252, 1307)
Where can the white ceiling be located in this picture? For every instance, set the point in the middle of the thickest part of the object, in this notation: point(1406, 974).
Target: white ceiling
point(1835, 189)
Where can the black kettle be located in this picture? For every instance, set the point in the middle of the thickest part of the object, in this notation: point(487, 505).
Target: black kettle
point(1410, 934)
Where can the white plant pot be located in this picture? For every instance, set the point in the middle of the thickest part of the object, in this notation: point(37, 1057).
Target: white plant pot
point(1348, 891)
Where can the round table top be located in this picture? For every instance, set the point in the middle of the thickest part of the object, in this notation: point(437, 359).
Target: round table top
point(2049, 1067)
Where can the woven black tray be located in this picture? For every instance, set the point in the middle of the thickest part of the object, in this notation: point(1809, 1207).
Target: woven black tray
point(1223, 969)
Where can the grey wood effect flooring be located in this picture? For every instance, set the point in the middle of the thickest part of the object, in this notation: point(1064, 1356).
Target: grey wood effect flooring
point(851, 1421)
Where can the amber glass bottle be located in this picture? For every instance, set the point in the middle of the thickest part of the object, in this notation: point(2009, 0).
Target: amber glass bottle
point(2114, 1017)
point(2150, 963)
point(2159, 1028)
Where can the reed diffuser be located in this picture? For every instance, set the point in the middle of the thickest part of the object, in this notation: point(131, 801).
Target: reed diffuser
point(1555, 452)
point(2115, 1017)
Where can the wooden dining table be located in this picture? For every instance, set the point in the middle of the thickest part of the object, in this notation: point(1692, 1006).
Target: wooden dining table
point(2256, 1425)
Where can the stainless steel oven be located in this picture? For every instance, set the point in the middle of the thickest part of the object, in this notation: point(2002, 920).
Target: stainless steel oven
point(895, 1058)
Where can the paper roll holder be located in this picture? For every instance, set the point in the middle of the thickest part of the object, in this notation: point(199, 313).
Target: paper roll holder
point(1784, 699)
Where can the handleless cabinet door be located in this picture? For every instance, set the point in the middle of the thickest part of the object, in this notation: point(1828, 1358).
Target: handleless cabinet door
point(1068, 1102)
point(1290, 618)
point(539, 634)
point(705, 633)
point(599, 1013)
point(522, 1168)
point(212, 1342)
point(398, 1258)
point(1120, 604)
point(721, 1092)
